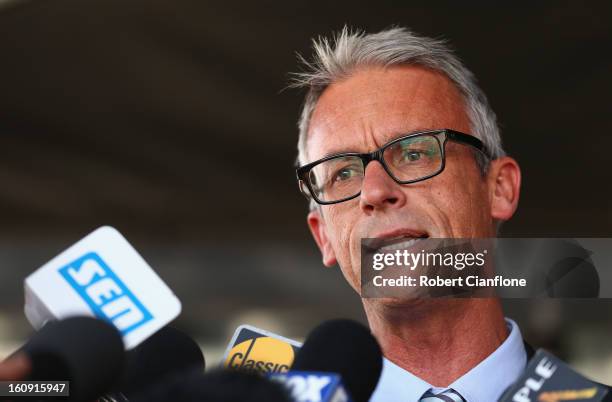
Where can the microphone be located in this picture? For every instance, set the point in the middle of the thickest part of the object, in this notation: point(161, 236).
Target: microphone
point(572, 275)
point(219, 385)
point(166, 353)
point(101, 275)
point(548, 379)
point(256, 350)
point(85, 351)
point(339, 361)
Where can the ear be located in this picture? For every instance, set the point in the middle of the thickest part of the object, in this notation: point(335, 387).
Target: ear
point(504, 179)
point(317, 228)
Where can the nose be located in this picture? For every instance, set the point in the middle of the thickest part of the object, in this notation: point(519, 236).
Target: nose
point(379, 191)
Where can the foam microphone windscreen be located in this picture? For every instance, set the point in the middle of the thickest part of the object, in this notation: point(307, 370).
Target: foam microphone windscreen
point(166, 352)
point(218, 385)
point(347, 348)
point(85, 351)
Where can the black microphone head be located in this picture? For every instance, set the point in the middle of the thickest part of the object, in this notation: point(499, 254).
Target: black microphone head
point(167, 351)
point(83, 350)
point(574, 277)
point(347, 348)
point(216, 386)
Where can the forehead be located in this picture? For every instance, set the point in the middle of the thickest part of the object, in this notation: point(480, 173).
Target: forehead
point(375, 105)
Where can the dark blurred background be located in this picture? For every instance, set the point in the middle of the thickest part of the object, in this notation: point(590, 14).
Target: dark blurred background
point(168, 120)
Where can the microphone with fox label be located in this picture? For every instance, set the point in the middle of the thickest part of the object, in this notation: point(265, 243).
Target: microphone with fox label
point(548, 379)
point(85, 351)
point(340, 361)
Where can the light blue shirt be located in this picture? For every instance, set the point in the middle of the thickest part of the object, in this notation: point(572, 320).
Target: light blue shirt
point(483, 383)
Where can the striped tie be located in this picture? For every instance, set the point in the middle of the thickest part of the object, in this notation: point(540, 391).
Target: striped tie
point(449, 395)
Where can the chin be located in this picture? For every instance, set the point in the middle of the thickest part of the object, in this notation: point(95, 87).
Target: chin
point(416, 307)
point(399, 302)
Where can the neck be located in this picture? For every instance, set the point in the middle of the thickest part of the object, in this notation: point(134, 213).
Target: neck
point(437, 340)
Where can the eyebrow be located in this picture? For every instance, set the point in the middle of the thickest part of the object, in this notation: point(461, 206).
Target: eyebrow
point(391, 139)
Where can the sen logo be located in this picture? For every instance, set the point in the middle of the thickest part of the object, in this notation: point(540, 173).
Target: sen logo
point(105, 294)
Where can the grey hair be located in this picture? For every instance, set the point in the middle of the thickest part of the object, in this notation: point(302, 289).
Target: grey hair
point(349, 50)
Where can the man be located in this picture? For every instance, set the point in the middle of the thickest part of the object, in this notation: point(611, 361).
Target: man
point(379, 92)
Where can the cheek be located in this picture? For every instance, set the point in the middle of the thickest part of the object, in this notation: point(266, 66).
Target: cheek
point(340, 220)
point(459, 203)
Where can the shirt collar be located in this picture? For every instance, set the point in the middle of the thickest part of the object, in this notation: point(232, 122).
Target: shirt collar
point(483, 383)
point(398, 385)
point(492, 376)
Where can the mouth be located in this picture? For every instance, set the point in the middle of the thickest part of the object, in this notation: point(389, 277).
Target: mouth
point(396, 240)
point(400, 244)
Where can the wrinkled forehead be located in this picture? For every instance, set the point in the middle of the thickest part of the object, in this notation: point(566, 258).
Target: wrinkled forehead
point(375, 105)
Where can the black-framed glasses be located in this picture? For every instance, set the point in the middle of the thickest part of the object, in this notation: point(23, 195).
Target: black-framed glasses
point(408, 159)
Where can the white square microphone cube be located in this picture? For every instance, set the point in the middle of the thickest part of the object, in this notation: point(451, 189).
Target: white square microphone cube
point(102, 275)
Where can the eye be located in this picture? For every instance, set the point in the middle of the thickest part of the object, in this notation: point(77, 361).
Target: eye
point(411, 155)
point(345, 173)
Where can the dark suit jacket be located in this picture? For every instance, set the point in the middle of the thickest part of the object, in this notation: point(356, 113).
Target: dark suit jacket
point(530, 352)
